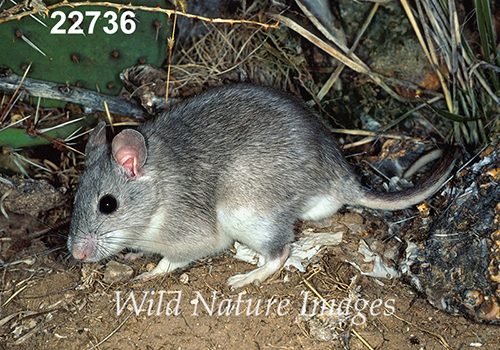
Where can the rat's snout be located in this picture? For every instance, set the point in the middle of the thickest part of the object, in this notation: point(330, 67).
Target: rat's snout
point(80, 254)
point(83, 249)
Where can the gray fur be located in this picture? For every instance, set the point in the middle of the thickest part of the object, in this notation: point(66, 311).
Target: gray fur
point(236, 163)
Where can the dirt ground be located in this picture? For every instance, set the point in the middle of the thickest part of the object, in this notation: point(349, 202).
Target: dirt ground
point(49, 302)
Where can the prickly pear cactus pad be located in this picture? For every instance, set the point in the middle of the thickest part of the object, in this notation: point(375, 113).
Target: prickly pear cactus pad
point(85, 46)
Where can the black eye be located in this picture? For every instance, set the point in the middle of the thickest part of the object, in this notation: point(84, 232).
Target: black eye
point(108, 204)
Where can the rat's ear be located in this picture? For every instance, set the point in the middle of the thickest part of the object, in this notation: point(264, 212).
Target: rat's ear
point(129, 151)
point(97, 137)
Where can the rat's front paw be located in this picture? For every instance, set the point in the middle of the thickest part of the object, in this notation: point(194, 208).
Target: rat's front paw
point(162, 268)
point(146, 276)
point(133, 256)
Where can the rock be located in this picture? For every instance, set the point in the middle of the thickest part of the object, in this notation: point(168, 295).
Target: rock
point(116, 271)
point(31, 197)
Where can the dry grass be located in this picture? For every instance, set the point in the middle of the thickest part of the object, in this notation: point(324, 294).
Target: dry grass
point(242, 52)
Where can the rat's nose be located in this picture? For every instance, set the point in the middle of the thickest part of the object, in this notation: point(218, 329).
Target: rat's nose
point(83, 249)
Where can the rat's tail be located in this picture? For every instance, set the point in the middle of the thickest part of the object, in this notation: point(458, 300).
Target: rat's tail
point(411, 196)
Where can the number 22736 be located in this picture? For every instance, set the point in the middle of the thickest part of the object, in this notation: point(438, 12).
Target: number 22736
point(126, 22)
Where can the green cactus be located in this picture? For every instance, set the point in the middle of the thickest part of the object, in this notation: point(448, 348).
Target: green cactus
point(92, 61)
point(19, 138)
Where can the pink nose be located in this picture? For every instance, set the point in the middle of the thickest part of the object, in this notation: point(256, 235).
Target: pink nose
point(80, 254)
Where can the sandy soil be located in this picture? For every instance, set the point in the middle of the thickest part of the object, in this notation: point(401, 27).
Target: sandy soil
point(49, 302)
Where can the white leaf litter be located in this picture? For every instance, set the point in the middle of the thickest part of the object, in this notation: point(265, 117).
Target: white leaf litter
point(380, 269)
point(302, 250)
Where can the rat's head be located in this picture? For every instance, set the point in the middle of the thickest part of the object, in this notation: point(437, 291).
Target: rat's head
point(113, 196)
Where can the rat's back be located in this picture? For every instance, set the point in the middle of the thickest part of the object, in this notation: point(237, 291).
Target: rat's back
point(248, 144)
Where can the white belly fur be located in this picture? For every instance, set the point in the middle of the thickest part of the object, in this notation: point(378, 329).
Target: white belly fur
point(151, 240)
point(243, 225)
point(320, 207)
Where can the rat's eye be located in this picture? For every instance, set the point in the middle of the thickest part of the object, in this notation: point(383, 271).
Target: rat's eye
point(108, 204)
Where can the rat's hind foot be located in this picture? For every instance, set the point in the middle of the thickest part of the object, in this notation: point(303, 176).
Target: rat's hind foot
point(260, 274)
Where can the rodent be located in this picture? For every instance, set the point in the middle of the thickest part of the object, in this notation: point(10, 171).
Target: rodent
point(238, 163)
